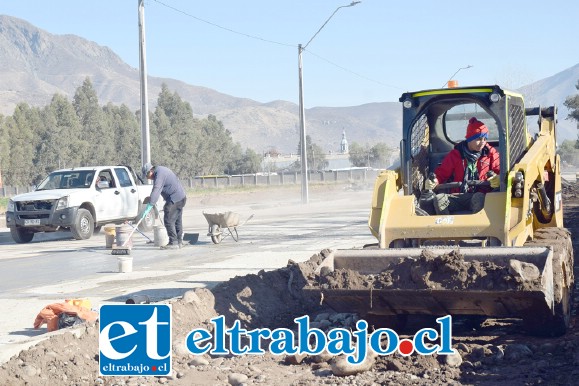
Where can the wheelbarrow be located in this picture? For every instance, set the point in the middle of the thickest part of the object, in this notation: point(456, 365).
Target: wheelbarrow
point(222, 225)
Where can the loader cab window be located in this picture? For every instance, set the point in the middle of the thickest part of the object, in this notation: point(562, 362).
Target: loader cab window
point(419, 153)
point(455, 121)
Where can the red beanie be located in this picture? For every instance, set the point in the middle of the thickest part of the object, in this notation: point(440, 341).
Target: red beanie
point(476, 129)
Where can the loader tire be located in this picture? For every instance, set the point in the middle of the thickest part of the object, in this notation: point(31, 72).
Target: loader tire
point(555, 324)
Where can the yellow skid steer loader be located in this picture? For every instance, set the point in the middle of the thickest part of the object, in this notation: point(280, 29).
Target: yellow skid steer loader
point(519, 231)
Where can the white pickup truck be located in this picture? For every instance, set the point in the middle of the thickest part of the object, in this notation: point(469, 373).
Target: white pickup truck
point(82, 200)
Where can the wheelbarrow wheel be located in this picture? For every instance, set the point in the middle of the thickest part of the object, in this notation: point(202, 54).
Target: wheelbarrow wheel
point(215, 234)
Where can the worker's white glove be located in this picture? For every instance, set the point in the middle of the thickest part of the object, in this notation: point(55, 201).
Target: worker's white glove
point(494, 181)
point(430, 184)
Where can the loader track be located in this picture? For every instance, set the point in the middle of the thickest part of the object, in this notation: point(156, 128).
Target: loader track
point(563, 281)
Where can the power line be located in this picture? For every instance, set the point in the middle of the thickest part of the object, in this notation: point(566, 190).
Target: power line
point(224, 28)
point(272, 42)
point(352, 72)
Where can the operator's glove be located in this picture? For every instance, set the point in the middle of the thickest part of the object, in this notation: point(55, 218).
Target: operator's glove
point(430, 184)
point(495, 181)
point(147, 210)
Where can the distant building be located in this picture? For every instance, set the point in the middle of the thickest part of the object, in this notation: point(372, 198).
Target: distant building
point(275, 162)
point(344, 144)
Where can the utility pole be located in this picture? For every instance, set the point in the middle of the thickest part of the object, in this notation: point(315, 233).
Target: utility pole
point(303, 150)
point(303, 144)
point(145, 138)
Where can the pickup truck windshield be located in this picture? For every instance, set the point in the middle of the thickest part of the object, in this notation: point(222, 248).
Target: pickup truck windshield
point(71, 179)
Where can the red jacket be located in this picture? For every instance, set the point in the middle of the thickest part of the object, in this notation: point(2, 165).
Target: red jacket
point(453, 166)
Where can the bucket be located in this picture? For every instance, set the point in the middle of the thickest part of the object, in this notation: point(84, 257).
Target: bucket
point(125, 264)
point(110, 232)
point(160, 235)
point(190, 238)
point(122, 233)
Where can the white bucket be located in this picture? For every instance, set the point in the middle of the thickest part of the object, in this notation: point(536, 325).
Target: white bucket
point(125, 264)
point(160, 236)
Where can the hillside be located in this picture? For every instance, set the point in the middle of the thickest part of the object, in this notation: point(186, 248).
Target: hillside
point(35, 64)
point(554, 90)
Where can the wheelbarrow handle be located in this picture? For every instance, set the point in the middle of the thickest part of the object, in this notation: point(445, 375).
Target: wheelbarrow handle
point(249, 218)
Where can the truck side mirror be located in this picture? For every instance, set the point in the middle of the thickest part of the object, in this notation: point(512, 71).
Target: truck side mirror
point(102, 184)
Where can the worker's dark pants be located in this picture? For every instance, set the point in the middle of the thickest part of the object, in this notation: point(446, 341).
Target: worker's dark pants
point(450, 203)
point(174, 220)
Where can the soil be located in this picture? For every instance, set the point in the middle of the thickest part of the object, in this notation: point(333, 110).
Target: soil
point(497, 352)
point(436, 271)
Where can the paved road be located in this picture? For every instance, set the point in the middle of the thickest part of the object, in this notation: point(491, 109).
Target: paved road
point(55, 267)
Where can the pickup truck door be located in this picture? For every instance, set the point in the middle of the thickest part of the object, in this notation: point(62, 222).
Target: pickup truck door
point(128, 192)
point(108, 199)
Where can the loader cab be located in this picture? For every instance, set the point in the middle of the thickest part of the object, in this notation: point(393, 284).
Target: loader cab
point(434, 121)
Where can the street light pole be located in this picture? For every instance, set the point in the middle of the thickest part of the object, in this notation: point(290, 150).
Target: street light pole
point(145, 136)
point(303, 150)
point(303, 145)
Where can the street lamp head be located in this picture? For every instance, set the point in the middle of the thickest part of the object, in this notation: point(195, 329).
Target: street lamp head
point(326, 22)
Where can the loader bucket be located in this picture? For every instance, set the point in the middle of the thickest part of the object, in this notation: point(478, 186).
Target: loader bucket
point(412, 281)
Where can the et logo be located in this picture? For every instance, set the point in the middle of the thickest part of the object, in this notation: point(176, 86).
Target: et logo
point(135, 339)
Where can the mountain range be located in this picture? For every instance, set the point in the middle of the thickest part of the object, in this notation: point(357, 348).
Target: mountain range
point(35, 64)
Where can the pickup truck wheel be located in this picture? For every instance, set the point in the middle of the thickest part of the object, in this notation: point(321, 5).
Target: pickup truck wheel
point(83, 227)
point(21, 236)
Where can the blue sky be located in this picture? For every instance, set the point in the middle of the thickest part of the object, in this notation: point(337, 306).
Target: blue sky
point(371, 52)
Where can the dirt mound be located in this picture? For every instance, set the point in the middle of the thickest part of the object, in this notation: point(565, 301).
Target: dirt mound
point(570, 190)
point(268, 299)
